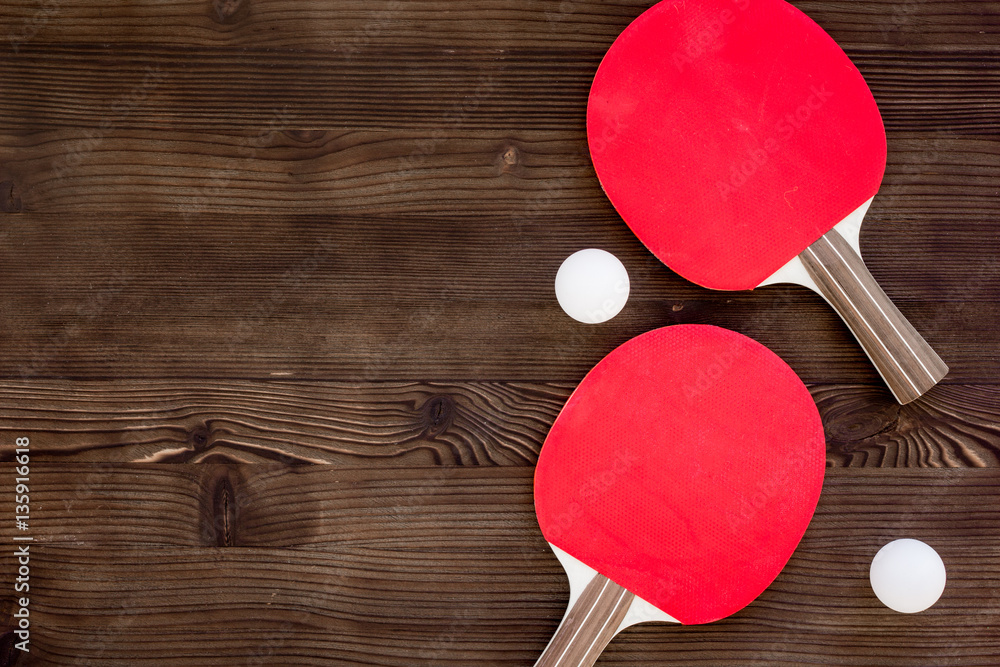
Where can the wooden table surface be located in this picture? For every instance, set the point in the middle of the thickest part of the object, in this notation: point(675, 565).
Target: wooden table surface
point(277, 317)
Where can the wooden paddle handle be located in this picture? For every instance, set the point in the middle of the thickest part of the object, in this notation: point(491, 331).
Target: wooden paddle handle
point(588, 626)
point(907, 363)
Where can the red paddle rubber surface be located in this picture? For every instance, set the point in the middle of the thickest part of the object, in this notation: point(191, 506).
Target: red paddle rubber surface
point(731, 134)
point(685, 467)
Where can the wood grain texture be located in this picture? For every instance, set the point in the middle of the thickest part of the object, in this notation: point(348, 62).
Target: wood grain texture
point(392, 423)
point(294, 231)
point(352, 578)
point(491, 64)
point(456, 173)
point(315, 24)
point(380, 298)
point(517, 174)
point(402, 424)
point(278, 235)
point(483, 89)
point(950, 427)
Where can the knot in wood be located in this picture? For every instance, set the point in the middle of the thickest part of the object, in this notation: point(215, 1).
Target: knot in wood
point(199, 437)
point(509, 159)
point(853, 417)
point(229, 11)
point(10, 202)
point(223, 513)
point(305, 136)
point(438, 413)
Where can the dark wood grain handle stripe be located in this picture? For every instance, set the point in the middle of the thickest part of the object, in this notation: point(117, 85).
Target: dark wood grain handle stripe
point(907, 363)
point(588, 626)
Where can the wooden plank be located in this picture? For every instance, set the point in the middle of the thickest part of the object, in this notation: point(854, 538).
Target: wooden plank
point(388, 423)
point(533, 201)
point(938, 193)
point(350, 24)
point(280, 171)
point(349, 298)
point(519, 175)
point(949, 426)
point(333, 508)
point(149, 86)
point(402, 424)
point(396, 567)
point(348, 340)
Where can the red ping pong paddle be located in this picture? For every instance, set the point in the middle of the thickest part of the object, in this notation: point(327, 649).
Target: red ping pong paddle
point(675, 483)
point(743, 148)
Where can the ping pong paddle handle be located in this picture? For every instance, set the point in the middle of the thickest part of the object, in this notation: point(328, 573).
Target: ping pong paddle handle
point(907, 363)
point(588, 626)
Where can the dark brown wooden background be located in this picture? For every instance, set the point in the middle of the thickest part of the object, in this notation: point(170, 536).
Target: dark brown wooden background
point(240, 235)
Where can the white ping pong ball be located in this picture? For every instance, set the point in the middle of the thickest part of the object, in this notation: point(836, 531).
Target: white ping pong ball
point(907, 576)
point(592, 286)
